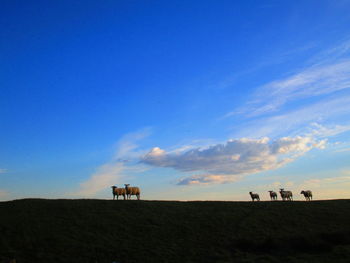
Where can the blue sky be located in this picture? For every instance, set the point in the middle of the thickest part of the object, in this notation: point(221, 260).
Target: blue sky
point(189, 100)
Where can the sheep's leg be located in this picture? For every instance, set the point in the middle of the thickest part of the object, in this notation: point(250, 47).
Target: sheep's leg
point(113, 196)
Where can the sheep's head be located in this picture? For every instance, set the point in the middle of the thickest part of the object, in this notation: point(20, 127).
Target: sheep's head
point(302, 192)
point(250, 192)
point(126, 185)
point(113, 187)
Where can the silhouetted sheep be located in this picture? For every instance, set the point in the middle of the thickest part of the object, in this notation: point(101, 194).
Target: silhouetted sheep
point(286, 195)
point(254, 196)
point(273, 195)
point(307, 194)
point(132, 191)
point(118, 191)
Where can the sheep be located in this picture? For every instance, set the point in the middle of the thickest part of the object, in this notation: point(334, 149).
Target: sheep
point(132, 191)
point(307, 194)
point(118, 191)
point(254, 196)
point(273, 195)
point(286, 195)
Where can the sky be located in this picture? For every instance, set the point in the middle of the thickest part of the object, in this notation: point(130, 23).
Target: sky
point(189, 100)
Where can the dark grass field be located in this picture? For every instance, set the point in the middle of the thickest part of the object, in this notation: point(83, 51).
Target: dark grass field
point(39, 230)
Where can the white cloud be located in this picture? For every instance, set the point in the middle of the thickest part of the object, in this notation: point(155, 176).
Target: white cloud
point(228, 162)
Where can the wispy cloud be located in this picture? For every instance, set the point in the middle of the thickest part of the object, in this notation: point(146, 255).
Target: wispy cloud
point(127, 146)
point(2, 171)
point(228, 162)
point(115, 171)
point(105, 176)
point(342, 150)
point(300, 121)
point(319, 92)
point(311, 82)
point(332, 54)
point(321, 131)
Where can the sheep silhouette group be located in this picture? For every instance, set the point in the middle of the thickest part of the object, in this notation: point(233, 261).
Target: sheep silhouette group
point(126, 192)
point(285, 195)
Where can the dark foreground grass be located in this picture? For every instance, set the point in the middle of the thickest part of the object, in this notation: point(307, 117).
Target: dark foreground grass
point(38, 230)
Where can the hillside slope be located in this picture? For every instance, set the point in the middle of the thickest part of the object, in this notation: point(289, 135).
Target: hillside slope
point(39, 230)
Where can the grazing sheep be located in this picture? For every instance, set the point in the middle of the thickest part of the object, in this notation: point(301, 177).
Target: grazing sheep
point(118, 191)
point(132, 191)
point(273, 195)
point(254, 196)
point(307, 194)
point(286, 195)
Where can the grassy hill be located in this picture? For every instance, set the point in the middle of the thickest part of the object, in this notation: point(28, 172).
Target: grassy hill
point(39, 230)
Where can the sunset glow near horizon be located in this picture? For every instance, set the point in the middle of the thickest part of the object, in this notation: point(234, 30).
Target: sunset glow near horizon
point(189, 100)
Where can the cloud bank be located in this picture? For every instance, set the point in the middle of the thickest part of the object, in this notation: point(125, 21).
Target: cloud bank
point(230, 161)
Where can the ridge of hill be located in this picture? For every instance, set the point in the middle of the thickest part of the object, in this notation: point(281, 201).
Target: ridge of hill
point(89, 230)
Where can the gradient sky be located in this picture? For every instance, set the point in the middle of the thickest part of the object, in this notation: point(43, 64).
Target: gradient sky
point(189, 100)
